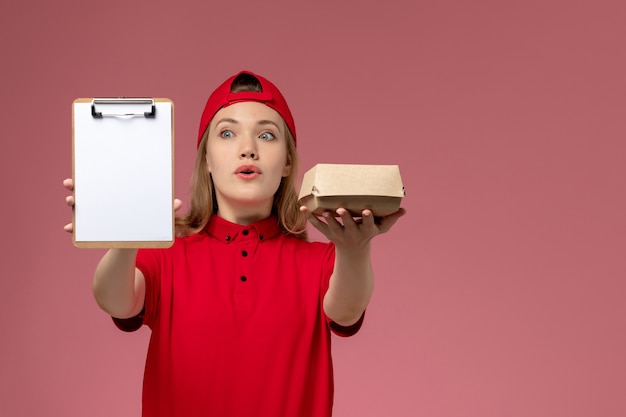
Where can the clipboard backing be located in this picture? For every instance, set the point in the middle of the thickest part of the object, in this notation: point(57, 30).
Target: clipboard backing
point(122, 166)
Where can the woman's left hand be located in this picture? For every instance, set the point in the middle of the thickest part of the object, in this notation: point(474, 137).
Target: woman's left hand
point(350, 233)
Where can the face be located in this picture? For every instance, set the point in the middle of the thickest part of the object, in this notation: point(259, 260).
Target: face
point(247, 158)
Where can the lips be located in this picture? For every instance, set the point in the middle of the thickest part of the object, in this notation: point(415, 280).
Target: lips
point(248, 169)
point(248, 172)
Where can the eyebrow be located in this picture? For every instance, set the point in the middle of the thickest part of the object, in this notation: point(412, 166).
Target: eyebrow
point(260, 122)
point(268, 122)
point(226, 120)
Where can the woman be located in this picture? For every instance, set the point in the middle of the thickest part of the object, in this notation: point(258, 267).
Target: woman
point(242, 306)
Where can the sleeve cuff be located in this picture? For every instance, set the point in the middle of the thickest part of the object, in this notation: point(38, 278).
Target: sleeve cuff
point(130, 324)
point(347, 331)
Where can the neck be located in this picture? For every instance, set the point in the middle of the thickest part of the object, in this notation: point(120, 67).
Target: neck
point(243, 215)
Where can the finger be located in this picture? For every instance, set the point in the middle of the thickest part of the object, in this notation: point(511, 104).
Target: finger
point(317, 223)
point(69, 227)
point(331, 221)
point(368, 222)
point(177, 204)
point(346, 218)
point(313, 219)
point(388, 221)
point(69, 184)
point(69, 200)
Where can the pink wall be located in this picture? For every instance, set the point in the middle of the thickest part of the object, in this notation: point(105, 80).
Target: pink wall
point(501, 293)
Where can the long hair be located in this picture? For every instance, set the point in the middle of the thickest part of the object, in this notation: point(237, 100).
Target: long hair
point(203, 203)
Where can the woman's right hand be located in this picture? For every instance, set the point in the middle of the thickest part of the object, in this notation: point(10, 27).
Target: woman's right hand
point(69, 200)
point(68, 183)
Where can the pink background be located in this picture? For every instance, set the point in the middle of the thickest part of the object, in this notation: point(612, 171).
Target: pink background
point(501, 293)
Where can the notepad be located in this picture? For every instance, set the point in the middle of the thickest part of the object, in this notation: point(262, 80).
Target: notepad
point(123, 172)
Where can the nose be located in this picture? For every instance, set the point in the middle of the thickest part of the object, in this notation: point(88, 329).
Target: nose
point(248, 149)
point(249, 154)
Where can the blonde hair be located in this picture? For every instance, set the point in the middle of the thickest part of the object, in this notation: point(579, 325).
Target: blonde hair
point(203, 203)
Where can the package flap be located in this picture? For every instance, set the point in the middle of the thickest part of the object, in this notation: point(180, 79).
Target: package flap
point(353, 187)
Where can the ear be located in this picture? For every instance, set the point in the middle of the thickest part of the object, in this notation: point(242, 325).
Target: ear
point(287, 167)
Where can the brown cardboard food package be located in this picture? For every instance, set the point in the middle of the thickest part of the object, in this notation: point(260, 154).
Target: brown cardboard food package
point(353, 187)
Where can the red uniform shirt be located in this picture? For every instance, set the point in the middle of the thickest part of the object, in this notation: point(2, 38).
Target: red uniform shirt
point(238, 327)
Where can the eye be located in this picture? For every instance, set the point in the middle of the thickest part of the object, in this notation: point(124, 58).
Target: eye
point(226, 134)
point(267, 136)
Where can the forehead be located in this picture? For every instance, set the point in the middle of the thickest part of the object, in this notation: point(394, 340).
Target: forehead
point(248, 112)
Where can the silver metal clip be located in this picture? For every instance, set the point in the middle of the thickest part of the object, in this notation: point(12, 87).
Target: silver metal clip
point(118, 106)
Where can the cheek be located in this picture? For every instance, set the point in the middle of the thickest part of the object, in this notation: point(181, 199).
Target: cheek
point(215, 169)
point(209, 163)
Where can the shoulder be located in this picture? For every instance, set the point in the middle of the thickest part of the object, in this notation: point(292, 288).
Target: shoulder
point(303, 249)
point(181, 245)
point(305, 244)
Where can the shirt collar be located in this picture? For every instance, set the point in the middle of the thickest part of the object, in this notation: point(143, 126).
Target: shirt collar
point(228, 232)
